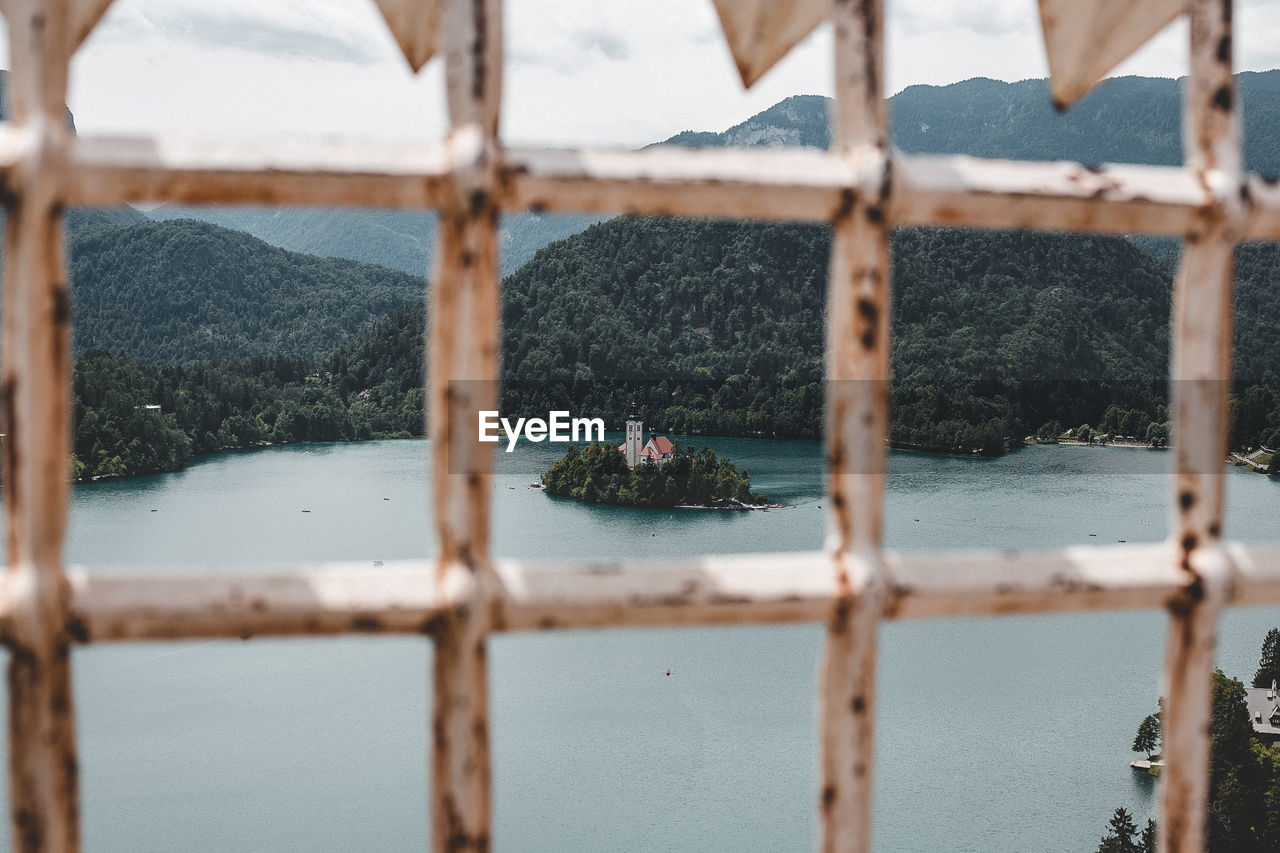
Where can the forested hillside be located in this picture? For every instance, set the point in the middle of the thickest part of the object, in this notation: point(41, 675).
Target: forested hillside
point(403, 240)
point(182, 292)
point(209, 407)
point(718, 328)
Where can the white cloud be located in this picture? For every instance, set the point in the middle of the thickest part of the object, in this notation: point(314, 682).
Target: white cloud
point(242, 68)
point(981, 17)
point(330, 30)
point(622, 72)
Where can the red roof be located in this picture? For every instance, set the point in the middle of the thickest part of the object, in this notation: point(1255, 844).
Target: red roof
point(663, 444)
point(648, 452)
point(622, 448)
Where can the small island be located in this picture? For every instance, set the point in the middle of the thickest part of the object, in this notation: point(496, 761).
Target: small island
point(657, 474)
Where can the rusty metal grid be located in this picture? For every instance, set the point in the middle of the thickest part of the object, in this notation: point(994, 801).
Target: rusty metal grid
point(860, 187)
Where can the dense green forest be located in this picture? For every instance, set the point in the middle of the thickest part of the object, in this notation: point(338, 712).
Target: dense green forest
point(1244, 773)
point(599, 474)
point(219, 406)
point(717, 328)
point(996, 335)
point(184, 292)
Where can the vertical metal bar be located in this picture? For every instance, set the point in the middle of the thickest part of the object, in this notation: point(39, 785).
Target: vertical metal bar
point(1201, 373)
point(463, 373)
point(35, 397)
point(857, 429)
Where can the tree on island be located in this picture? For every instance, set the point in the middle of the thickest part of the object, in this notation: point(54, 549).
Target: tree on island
point(1269, 665)
point(599, 474)
point(1148, 739)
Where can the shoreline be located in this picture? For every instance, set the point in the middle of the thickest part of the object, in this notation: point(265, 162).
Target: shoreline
point(1232, 458)
point(1130, 443)
point(738, 508)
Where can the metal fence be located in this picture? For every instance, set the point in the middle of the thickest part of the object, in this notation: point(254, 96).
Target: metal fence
point(860, 187)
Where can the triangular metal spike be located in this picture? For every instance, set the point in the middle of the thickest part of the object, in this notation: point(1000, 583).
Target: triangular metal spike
point(84, 16)
point(1085, 39)
point(761, 32)
point(415, 24)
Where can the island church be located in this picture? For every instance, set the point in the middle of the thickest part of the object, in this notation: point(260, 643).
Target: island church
point(657, 450)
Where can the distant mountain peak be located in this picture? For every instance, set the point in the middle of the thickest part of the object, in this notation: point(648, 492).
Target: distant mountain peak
point(1123, 120)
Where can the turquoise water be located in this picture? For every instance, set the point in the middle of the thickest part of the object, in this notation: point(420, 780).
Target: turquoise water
point(993, 734)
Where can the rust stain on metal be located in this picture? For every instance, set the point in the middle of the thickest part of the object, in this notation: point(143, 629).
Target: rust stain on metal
point(61, 305)
point(479, 51)
point(723, 598)
point(869, 316)
point(77, 629)
point(497, 614)
point(1188, 598)
point(848, 199)
point(839, 623)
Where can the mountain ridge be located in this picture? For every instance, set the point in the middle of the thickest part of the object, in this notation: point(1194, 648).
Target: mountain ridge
point(718, 326)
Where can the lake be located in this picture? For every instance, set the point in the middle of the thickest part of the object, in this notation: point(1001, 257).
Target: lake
point(993, 734)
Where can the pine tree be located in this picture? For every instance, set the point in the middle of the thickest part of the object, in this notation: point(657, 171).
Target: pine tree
point(1121, 837)
point(1269, 665)
point(1148, 841)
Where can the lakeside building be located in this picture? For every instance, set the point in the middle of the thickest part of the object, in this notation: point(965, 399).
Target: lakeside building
point(656, 451)
point(1264, 711)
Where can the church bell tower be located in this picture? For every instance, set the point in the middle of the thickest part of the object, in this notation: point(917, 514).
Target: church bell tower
point(635, 437)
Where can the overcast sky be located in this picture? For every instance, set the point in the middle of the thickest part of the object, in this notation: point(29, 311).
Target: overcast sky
point(618, 72)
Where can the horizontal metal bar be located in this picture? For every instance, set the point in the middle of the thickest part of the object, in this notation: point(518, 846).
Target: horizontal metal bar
point(802, 587)
point(330, 599)
point(403, 598)
point(795, 184)
point(977, 193)
point(742, 588)
point(1255, 571)
point(804, 185)
point(1117, 577)
point(108, 171)
point(814, 186)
